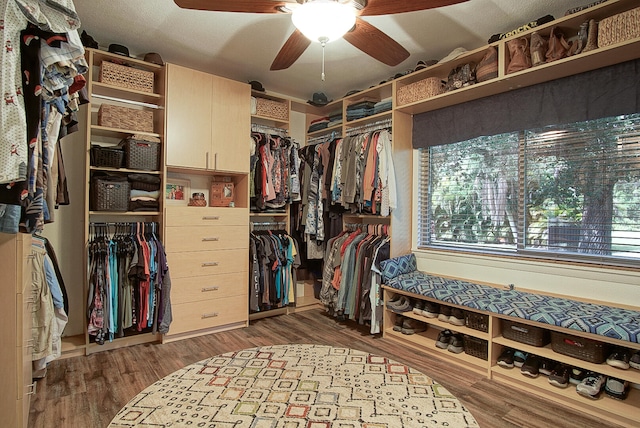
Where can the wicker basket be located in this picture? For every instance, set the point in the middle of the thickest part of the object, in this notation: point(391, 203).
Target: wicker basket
point(110, 195)
point(421, 90)
point(271, 108)
point(109, 157)
point(619, 28)
point(475, 347)
point(476, 321)
point(140, 154)
point(132, 119)
point(579, 347)
point(126, 77)
point(524, 333)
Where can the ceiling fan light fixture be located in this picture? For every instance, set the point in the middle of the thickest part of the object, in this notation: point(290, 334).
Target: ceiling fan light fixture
point(324, 20)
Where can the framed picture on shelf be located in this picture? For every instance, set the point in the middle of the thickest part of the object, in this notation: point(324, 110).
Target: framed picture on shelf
point(177, 191)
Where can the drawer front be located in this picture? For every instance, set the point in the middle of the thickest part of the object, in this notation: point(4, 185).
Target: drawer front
point(194, 289)
point(201, 263)
point(208, 314)
point(204, 238)
point(206, 216)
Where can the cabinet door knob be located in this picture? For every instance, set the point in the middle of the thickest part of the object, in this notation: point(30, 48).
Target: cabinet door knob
point(211, 315)
point(213, 238)
point(211, 217)
point(214, 288)
point(206, 264)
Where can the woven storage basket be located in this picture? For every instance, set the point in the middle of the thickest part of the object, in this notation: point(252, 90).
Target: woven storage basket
point(618, 28)
point(478, 348)
point(476, 321)
point(140, 154)
point(272, 108)
point(421, 90)
point(126, 77)
point(110, 157)
point(113, 116)
point(524, 333)
point(110, 195)
point(579, 347)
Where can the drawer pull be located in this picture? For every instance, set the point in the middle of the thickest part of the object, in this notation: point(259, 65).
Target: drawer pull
point(206, 264)
point(211, 217)
point(31, 389)
point(211, 315)
point(214, 288)
point(213, 238)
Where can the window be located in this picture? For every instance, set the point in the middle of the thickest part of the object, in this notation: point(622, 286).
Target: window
point(564, 191)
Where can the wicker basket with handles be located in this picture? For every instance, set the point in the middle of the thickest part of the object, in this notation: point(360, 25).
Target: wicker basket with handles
point(132, 119)
point(420, 90)
point(619, 28)
point(126, 77)
point(271, 108)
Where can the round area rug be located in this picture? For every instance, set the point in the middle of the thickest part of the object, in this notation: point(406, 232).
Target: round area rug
point(295, 386)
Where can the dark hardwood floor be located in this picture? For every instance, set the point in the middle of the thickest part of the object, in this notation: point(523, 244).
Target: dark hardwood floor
point(88, 391)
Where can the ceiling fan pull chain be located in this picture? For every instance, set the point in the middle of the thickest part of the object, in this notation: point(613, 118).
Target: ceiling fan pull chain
point(323, 45)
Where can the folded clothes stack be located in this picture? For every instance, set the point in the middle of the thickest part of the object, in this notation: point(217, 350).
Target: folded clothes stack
point(318, 124)
point(382, 106)
point(335, 118)
point(360, 110)
point(145, 192)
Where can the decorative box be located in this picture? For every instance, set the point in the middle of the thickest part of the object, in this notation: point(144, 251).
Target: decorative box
point(221, 194)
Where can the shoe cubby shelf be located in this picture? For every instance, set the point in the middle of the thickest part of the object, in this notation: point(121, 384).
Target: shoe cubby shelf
point(625, 412)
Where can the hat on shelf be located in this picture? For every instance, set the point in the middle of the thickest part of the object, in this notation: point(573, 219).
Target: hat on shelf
point(256, 86)
point(424, 64)
point(154, 58)
point(118, 49)
point(351, 92)
point(88, 41)
point(453, 54)
point(319, 99)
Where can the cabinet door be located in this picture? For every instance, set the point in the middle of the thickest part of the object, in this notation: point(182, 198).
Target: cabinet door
point(188, 105)
point(231, 118)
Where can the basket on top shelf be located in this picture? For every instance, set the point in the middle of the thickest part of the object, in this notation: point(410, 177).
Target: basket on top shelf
point(619, 28)
point(420, 90)
point(119, 117)
point(272, 108)
point(126, 77)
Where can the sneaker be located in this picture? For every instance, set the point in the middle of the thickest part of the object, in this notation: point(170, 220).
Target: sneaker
point(506, 358)
point(546, 366)
point(616, 388)
point(411, 326)
point(456, 317)
point(418, 306)
point(445, 313)
point(577, 375)
point(591, 385)
point(456, 345)
point(619, 358)
point(560, 376)
point(519, 358)
point(531, 366)
point(397, 326)
point(443, 339)
point(431, 310)
point(401, 305)
point(634, 361)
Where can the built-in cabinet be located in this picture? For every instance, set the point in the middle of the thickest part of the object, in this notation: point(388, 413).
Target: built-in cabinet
point(15, 329)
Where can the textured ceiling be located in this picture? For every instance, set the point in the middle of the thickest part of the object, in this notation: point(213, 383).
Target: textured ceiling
point(242, 46)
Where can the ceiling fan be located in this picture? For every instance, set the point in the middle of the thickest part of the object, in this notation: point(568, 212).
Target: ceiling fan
point(358, 32)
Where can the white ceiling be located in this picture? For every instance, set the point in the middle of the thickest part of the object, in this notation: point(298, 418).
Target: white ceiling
point(242, 46)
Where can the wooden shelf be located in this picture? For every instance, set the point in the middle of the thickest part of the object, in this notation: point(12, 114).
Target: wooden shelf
point(126, 95)
point(121, 133)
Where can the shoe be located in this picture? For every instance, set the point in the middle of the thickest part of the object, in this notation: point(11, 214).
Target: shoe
point(445, 313)
point(634, 361)
point(397, 326)
point(431, 310)
point(560, 376)
point(418, 306)
point(591, 385)
point(519, 358)
point(456, 345)
point(616, 388)
point(546, 366)
point(531, 366)
point(577, 375)
point(401, 305)
point(456, 317)
point(506, 358)
point(619, 358)
point(443, 339)
point(411, 326)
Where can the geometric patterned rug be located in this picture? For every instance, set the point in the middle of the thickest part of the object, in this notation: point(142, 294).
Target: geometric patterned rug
point(295, 386)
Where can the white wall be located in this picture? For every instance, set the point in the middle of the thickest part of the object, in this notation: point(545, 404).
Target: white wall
point(605, 284)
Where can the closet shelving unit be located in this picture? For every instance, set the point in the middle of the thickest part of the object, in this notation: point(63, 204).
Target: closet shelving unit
point(100, 93)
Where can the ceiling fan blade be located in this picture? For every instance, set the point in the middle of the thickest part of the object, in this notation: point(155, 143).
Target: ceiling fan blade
point(291, 51)
point(376, 44)
point(247, 6)
point(386, 7)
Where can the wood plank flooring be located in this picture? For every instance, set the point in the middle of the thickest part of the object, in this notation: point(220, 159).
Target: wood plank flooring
point(88, 391)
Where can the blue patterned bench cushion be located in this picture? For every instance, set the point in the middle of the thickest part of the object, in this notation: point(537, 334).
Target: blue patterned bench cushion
point(603, 320)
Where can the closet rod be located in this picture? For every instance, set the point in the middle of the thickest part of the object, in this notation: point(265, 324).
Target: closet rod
point(265, 225)
point(375, 126)
point(256, 127)
point(324, 138)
